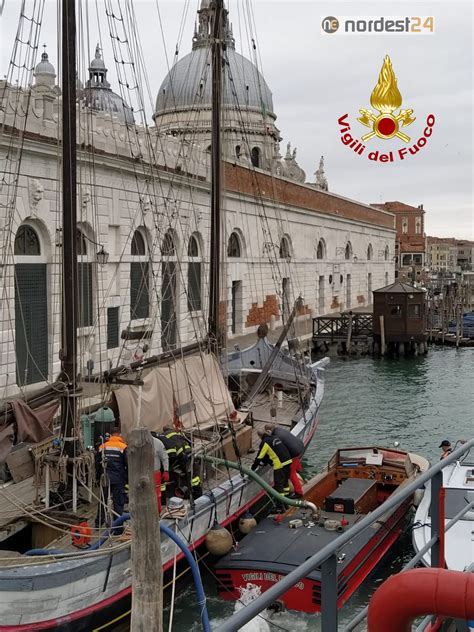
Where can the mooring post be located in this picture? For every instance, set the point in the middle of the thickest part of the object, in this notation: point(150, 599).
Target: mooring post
point(436, 485)
point(349, 334)
point(147, 575)
point(458, 323)
point(382, 336)
point(329, 594)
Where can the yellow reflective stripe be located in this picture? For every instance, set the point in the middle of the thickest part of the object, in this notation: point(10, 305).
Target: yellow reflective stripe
point(286, 463)
point(163, 487)
point(196, 481)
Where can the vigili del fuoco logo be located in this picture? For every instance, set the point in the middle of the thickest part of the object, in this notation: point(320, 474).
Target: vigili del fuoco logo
point(386, 123)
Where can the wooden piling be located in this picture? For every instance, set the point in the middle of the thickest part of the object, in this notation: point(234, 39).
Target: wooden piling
point(382, 336)
point(147, 574)
point(349, 333)
point(458, 323)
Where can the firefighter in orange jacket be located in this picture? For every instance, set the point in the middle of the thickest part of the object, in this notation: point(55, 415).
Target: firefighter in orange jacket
point(112, 472)
point(272, 450)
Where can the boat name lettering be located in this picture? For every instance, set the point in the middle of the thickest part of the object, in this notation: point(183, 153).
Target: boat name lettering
point(268, 577)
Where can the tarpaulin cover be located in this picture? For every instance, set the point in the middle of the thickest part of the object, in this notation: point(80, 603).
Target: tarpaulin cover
point(192, 387)
point(30, 426)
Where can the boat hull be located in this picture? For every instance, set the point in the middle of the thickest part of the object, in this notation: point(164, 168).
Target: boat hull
point(93, 595)
point(305, 596)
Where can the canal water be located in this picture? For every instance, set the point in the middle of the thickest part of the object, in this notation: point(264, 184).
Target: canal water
point(418, 402)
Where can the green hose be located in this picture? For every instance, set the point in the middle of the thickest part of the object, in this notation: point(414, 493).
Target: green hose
point(266, 486)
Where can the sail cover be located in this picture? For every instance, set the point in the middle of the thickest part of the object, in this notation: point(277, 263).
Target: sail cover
point(192, 387)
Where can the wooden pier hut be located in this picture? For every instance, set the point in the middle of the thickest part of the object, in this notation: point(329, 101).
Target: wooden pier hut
point(399, 319)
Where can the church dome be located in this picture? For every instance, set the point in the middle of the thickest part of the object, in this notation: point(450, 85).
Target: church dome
point(189, 82)
point(44, 73)
point(45, 67)
point(98, 95)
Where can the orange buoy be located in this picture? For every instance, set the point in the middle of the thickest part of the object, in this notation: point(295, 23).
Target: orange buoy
point(81, 534)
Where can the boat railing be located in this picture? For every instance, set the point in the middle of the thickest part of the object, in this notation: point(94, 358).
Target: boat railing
point(327, 558)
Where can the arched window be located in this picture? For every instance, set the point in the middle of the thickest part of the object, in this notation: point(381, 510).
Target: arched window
point(237, 151)
point(233, 246)
point(85, 281)
point(31, 308)
point(168, 247)
point(405, 225)
point(138, 244)
point(418, 225)
point(321, 249)
point(255, 156)
point(194, 275)
point(386, 253)
point(27, 242)
point(169, 288)
point(348, 251)
point(285, 252)
point(81, 244)
point(139, 278)
point(369, 252)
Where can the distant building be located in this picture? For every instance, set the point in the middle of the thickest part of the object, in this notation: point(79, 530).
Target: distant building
point(441, 254)
point(465, 254)
point(446, 254)
point(410, 247)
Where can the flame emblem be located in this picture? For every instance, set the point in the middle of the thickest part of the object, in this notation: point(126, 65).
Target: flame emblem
point(386, 98)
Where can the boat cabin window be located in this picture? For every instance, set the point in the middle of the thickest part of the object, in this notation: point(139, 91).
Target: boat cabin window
point(455, 500)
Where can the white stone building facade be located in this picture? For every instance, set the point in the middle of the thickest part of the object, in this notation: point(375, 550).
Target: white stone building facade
point(144, 197)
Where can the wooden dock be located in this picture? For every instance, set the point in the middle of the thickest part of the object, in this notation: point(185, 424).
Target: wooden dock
point(357, 327)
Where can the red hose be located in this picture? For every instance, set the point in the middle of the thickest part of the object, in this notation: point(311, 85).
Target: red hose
point(419, 592)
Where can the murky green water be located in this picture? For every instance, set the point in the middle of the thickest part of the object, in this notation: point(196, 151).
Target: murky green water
point(417, 402)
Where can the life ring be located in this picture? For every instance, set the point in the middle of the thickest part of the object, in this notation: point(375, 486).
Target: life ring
point(81, 534)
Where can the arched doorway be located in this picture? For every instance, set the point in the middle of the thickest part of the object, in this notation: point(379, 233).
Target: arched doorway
point(31, 308)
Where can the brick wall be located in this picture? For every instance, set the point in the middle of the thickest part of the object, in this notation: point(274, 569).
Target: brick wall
point(241, 180)
point(257, 315)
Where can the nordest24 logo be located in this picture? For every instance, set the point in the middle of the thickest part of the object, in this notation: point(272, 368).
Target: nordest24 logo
point(385, 123)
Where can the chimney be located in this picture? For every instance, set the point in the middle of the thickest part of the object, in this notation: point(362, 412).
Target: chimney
point(420, 206)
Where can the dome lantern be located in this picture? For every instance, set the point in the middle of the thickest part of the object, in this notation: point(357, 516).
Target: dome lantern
point(98, 95)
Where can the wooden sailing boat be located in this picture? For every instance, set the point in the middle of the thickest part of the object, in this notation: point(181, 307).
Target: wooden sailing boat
point(62, 588)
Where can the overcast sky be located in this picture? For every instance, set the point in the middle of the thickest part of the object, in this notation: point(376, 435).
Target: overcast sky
point(317, 77)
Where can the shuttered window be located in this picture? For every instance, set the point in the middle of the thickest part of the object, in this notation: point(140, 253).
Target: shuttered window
point(113, 336)
point(31, 323)
point(85, 311)
point(139, 290)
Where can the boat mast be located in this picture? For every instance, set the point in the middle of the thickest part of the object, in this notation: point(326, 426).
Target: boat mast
point(69, 223)
point(217, 42)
